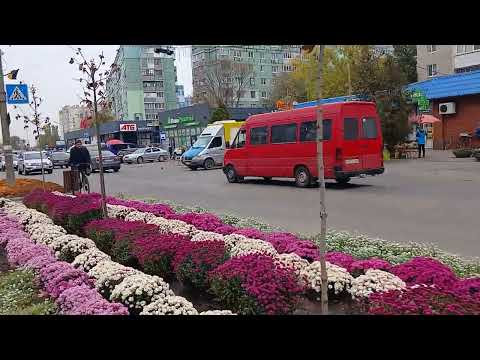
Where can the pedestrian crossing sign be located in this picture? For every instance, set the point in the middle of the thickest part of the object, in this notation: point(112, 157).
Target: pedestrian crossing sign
point(17, 93)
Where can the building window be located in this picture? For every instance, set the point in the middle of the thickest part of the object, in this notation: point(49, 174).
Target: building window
point(261, 68)
point(432, 70)
point(264, 81)
point(431, 48)
point(237, 53)
point(160, 84)
point(275, 56)
point(148, 72)
point(264, 94)
point(252, 81)
point(287, 68)
point(250, 54)
point(275, 69)
point(252, 94)
point(262, 55)
point(158, 73)
point(287, 55)
point(157, 62)
point(284, 133)
point(476, 47)
point(468, 48)
point(460, 49)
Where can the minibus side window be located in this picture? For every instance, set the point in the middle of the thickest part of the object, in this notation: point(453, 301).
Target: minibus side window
point(308, 130)
point(350, 128)
point(239, 141)
point(369, 128)
point(284, 133)
point(258, 135)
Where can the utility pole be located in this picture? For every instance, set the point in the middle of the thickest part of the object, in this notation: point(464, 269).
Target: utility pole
point(7, 148)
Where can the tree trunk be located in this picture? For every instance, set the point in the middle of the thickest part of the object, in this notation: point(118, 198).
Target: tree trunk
point(321, 181)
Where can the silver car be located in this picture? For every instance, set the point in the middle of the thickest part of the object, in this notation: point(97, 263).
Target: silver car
point(30, 161)
point(146, 154)
point(109, 160)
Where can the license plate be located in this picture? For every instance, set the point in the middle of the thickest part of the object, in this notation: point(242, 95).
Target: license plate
point(352, 161)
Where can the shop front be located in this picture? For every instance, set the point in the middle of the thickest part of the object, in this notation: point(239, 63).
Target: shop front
point(183, 131)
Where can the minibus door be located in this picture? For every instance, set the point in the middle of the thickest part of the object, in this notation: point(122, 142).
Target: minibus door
point(371, 145)
point(351, 152)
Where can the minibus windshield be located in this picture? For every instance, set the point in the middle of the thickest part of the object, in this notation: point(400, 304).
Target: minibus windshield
point(202, 142)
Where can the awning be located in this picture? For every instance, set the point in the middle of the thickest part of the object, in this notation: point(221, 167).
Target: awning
point(115, 142)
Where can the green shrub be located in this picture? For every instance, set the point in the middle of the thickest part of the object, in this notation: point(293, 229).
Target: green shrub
point(462, 153)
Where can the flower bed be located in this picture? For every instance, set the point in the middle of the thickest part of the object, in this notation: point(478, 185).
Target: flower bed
point(25, 186)
point(239, 284)
point(56, 277)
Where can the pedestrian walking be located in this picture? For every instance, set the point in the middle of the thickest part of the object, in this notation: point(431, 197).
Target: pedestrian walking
point(421, 136)
point(170, 150)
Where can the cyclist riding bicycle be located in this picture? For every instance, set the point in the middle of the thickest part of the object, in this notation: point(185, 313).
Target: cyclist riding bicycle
point(80, 161)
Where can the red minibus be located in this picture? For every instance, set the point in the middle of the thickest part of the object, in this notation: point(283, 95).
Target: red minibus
point(283, 144)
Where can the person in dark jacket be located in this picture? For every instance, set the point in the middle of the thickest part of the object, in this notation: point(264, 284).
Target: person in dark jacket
point(79, 156)
point(170, 150)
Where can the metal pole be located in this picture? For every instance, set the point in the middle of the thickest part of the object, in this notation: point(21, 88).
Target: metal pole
point(99, 147)
point(321, 181)
point(7, 148)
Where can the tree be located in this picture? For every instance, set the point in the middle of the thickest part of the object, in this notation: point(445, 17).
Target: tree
point(223, 82)
point(220, 113)
point(49, 136)
point(406, 57)
point(288, 89)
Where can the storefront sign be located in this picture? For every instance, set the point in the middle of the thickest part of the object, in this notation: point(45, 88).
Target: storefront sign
point(128, 127)
point(423, 104)
point(181, 120)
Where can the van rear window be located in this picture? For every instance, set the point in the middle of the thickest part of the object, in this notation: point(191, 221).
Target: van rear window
point(258, 135)
point(308, 130)
point(369, 128)
point(350, 128)
point(284, 133)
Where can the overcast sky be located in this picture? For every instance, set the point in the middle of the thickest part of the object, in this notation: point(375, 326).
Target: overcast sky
point(47, 67)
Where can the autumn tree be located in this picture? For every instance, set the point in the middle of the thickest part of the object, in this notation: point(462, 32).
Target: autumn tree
point(220, 113)
point(406, 57)
point(49, 137)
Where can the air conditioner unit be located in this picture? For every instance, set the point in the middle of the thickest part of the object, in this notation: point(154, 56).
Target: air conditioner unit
point(446, 108)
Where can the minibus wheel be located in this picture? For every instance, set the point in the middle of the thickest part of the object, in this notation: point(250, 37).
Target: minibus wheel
point(342, 180)
point(302, 177)
point(231, 174)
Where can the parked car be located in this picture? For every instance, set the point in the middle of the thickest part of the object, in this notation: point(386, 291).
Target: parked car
point(2, 162)
point(116, 148)
point(128, 151)
point(30, 161)
point(60, 158)
point(15, 161)
point(109, 159)
point(283, 144)
point(146, 154)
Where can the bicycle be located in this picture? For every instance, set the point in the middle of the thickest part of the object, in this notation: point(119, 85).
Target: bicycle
point(84, 172)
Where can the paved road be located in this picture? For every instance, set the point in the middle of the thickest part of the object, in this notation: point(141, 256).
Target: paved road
point(434, 200)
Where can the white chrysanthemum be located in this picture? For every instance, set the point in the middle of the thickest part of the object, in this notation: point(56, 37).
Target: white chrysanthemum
point(232, 239)
point(217, 312)
point(170, 305)
point(63, 194)
point(173, 226)
point(136, 291)
point(118, 211)
point(293, 261)
point(207, 235)
point(252, 246)
point(75, 247)
point(108, 274)
point(46, 235)
point(89, 259)
point(339, 279)
point(139, 216)
point(375, 281)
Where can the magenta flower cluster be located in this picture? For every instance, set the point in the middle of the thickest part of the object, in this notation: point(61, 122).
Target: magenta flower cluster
point(205, 222)
point(340, 259)
point(422, 270)
point(359, 267)
point(468, 287)
point(273, 289)
point(423, 300)
point(57, 277)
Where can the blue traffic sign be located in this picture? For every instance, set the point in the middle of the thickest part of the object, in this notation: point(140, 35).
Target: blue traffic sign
point(17, 93)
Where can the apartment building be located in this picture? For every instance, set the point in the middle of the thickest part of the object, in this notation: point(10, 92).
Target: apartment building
point(144, 83)
point(70, 117)
point(437, 60)
point(267, 61)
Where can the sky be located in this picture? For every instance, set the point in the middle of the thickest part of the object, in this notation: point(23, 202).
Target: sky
point(47, 67)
